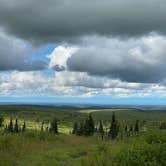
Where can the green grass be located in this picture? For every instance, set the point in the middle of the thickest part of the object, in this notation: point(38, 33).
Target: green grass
point(38, 114)
point(36, 148)
point(44, 149)
point(127, 114)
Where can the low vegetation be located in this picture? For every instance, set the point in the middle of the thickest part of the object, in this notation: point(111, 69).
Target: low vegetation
point(45, 136)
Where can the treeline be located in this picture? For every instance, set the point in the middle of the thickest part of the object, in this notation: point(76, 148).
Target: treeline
point(88, 128)
point(85, 128)
point(16, 128)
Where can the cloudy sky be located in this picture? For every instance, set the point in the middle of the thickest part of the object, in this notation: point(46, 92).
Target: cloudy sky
point(109, 51)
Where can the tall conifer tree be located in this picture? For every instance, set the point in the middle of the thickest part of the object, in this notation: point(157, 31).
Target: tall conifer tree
point(42, 126)
point(1, 120)
point(91, 124)
point(16, 127)
point(54, 126)
point(10, 126)
point(24, 127)
point(75, 128)
point(114, 129)
point(136, 128)
point(101, 130)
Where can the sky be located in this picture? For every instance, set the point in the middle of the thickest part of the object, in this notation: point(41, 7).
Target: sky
point(102, 52)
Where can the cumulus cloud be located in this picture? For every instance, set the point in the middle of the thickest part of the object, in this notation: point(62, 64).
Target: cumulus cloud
point(59, 56)
point(111, 47)
point(61, 20)
point(15, 54)
point(133, 60)
point(72, 84)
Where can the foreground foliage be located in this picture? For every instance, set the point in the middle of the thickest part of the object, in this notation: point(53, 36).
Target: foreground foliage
point(42, 148)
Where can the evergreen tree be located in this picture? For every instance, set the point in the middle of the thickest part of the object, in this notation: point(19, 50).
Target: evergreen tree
point(81, 129)
point(91, 125)
point(1, 120)
point(113, 117)
point(16, 127)
point(131, 128)
point(114, 129)
point(47, 128)
point(54, 126)
point(42, 126)
point(86, 128)
point(136, 129)
point(10, 126)
point(75, 128)
point(126, 129)
point(24, 127)
point(101, 130)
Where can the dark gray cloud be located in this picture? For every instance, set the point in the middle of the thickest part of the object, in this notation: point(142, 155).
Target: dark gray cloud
point(144, 74)
point(58, 68)
point(61, 20)
point(16, 55)
point(133, 60)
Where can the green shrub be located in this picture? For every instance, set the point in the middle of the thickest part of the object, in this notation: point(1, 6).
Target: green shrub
point(155, 136)
point(148, 152)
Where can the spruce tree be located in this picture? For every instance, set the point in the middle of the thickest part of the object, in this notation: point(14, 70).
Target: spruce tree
point(131, 130)
point(86, 128)
point(75, 128)
point(42, 126)
point(101, 130)
point(1, 120)
point(24, 127)
point(126, 129)
point(54, 126)
point(136, 128)
point(10, 126)
point(114, 129)
point(16, 127)
point(81, 129)
point(47, 128)
point(91, 125)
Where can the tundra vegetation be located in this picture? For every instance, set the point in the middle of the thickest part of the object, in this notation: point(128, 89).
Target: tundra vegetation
point(31, 135)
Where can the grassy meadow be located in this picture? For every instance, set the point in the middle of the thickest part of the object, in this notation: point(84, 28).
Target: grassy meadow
point(41, 148)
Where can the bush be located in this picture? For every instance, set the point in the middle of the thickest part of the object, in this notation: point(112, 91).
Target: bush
point(154, 137)
point(145, 155)
point(148, 152)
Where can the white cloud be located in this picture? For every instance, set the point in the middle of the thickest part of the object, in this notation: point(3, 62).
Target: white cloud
point(133, 60)
point(72, 84)
point(59, 56)
point(99, 59)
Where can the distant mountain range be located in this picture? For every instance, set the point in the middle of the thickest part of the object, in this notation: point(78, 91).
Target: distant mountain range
point(90, 106)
